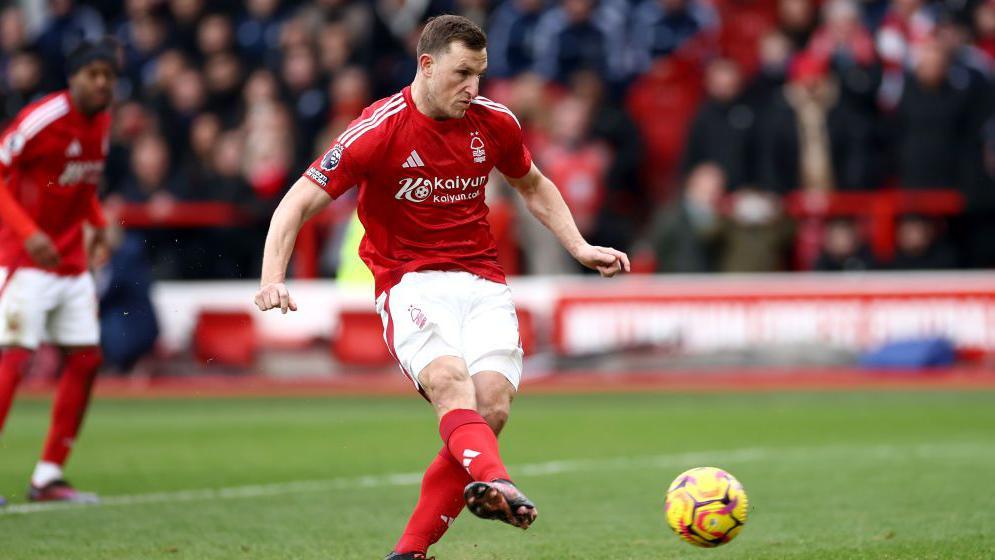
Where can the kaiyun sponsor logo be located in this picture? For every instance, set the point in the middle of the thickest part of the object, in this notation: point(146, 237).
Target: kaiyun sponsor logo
point(439, 189)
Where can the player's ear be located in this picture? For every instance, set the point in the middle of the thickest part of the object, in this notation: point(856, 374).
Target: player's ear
point(426, 64)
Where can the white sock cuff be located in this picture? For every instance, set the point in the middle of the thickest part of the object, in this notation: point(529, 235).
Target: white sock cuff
point(45, 473)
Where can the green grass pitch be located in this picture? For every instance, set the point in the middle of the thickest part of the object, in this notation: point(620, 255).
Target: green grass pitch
point(829, 475)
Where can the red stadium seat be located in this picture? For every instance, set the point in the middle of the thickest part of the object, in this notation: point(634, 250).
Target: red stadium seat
point(360, 339)
point(663, 101)
point(740, 42)
point(225, 338)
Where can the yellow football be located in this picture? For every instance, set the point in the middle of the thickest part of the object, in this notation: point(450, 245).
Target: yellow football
point(706, 506)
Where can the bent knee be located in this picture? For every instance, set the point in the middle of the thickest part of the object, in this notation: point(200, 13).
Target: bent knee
point(496, 415)
point(445, 375)
point(448, 385)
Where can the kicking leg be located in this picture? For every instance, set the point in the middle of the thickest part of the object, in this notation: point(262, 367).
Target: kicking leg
point(497, 498)
point(464, 431)
point(440, 502)
point(441, 499)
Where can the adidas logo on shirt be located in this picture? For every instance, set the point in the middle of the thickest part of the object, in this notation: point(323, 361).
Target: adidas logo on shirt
point(74, 149)
point(414, 160)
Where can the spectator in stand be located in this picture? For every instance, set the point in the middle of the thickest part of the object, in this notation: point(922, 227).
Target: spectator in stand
point(13, 30)
point(810, 138)
point(186, 14)
point(797, 19)
point(185, 99)
point(258, 32)
point(223, 80)
point(662, 27)
point(933, 130)
point(233, 248)
point(907, 24)
point(843, 40)
point(295, 33)
point(757, 235)
point(984, 29)
point(306, 94)
point(350, 94)
point(686, 235)
point(196, 166)
point(511, 37)
point(261, 88)
point(269, 149)
point(335, 47)
point(967, 62)
point(475, 10)
point(577, 164)
point(125, 13)
point(843, 249)
point(215, 35)
point(581, 35)
point(356, 18)
point(66, 26)
point(144, 40)
point(529, 96)
point(724, 129)
point(978, 222)
point(131, 121)
point(624, 207)
point(22, 83)
point(775, 53)
point(13, 41)
point(128, 322)
point(168, 67)
point(150, 180)
point(918, 246)
point(225, 180)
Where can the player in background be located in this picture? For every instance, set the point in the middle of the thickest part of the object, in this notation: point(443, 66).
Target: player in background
point(421, 159)
point(51, 162)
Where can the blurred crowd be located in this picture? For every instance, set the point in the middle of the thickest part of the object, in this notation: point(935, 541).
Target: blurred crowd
point(676, 129)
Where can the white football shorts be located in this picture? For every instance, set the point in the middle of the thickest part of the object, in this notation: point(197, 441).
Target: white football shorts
point(37, 306)
point(429, 314)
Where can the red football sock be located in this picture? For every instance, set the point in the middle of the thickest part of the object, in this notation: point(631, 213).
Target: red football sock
point(13, 365)
point(71, 400)
point(440, 502)
point(472, 443)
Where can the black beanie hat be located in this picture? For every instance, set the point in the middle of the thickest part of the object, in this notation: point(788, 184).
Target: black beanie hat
point(89, 51)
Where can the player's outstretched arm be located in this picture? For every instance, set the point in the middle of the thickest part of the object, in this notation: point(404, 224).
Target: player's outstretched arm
point(544, 201)
point(301, 202)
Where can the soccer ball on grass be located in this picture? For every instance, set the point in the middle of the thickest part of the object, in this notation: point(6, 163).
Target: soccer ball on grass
point(706, 506)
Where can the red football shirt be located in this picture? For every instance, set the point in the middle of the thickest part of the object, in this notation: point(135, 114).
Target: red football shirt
point(51, 160)
point(421, 184)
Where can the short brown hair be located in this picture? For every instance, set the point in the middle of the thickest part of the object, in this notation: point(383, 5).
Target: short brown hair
point(440, 31)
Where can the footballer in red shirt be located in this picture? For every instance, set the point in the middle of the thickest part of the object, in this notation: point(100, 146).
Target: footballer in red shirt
point(51, 162)
point(421, 159)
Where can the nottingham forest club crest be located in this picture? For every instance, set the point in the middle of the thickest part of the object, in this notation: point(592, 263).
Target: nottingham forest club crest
point(477, 147)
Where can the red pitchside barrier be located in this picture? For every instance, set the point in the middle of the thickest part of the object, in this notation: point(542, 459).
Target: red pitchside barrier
point(851, 312)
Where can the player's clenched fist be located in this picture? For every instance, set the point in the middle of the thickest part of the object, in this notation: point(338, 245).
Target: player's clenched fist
point(607, 261)
point(275, 295)
point(41, 249)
